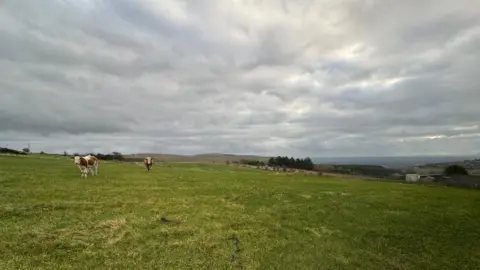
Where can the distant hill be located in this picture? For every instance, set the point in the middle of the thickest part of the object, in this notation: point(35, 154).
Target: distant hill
point(389, 162)
point(209, 157)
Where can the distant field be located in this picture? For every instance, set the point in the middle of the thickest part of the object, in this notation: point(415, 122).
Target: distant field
point(204, 158)
point(52, 219)
point(437, 170)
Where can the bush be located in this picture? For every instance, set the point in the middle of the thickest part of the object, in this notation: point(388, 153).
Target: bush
point(252, 162)
point(455, 170)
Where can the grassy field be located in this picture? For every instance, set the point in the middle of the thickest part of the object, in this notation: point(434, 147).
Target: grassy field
point(183, 216)
point(202, 158)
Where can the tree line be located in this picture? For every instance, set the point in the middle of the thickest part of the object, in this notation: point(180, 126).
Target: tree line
point(112, 156)
point(5, 150)
point(25, 151)
point(283, 162)
point(252, 162)
point(295, 163)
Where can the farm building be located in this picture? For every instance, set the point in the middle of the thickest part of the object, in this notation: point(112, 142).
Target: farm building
point(412, 177)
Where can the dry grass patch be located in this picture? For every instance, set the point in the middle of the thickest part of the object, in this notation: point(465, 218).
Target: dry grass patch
point(113, 224)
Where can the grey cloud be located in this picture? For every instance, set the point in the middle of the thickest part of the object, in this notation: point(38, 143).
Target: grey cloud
point(271, 78)
point(439, 30)
point(22, 123)
point(50, 112)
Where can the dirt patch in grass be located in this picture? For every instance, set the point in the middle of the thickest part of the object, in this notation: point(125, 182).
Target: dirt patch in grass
point(113, 224)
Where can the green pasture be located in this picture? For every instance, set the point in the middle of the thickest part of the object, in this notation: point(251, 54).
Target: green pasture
point(184, 216)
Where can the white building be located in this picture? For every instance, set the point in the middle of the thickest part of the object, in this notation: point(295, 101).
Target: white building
point(413, 177)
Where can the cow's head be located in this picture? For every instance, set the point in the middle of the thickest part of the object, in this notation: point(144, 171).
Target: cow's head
point(77, 160)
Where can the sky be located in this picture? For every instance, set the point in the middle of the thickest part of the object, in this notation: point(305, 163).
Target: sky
point(298, 78)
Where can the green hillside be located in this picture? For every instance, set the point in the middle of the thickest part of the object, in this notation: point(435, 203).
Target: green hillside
point(183, 216)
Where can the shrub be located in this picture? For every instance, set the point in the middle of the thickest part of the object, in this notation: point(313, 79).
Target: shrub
point(455, 170)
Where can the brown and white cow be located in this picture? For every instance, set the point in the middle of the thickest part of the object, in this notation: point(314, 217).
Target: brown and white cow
point(86, 164)
point(148, 161)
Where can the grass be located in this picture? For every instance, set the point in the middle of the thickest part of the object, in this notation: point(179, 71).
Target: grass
point(50, 218)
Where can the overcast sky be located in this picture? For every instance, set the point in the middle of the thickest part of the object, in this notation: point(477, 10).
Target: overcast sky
point(301, 78)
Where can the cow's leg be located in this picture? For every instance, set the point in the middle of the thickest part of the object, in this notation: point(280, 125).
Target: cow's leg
point(81, 171)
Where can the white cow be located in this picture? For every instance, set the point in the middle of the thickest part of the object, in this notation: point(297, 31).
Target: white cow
point(86, 164)
point(148, 161)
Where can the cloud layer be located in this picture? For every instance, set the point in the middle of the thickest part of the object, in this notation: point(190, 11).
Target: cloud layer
point(316, 78)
